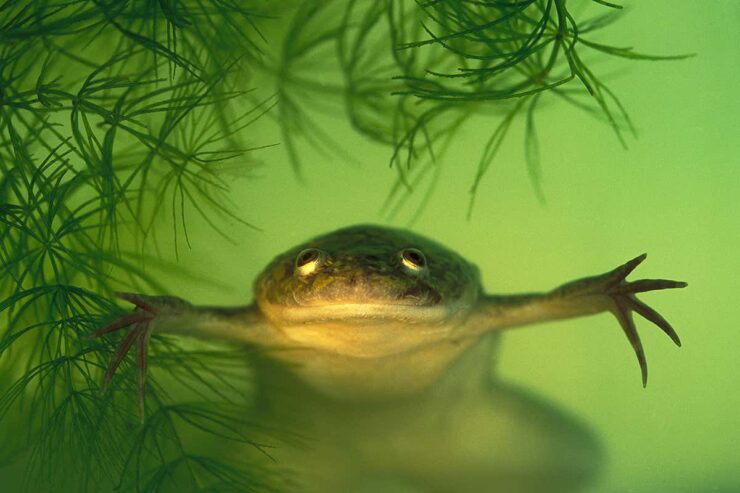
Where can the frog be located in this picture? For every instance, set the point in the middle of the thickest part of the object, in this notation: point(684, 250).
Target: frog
point(382, 342)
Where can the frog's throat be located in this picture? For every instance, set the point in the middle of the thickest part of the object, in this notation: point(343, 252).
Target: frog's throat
point(359, 312)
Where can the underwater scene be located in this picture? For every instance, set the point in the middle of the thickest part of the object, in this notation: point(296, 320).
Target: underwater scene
point(367, 246)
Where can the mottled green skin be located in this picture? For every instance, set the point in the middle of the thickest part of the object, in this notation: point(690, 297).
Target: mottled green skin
point(364, 266)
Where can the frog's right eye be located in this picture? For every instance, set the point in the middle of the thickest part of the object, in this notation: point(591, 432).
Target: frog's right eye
point(309, 260)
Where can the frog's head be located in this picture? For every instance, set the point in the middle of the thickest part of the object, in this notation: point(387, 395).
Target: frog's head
point(363, 276)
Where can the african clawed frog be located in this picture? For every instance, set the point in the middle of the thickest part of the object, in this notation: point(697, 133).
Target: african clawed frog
point(374, 333)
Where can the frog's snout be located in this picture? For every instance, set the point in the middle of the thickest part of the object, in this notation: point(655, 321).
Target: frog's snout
point(365, 286)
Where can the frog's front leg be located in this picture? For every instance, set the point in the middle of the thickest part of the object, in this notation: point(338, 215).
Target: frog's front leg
point(169, 314)
point(606, 292)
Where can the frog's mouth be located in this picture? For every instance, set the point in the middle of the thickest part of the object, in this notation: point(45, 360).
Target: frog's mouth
point(350, 312)
point(363, 330)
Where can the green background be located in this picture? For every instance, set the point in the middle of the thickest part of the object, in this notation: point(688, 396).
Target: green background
point(674, 194)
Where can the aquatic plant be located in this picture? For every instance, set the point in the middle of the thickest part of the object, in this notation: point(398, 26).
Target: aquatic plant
point(411, 74)
point(109, 108)
point(121, 121)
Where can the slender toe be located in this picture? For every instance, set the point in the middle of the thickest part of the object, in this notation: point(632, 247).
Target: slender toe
point(121, 351)
point(655, 318)
point(120, 323)
point(138, 300)
point(628, 267)
point(142, 345)
point(617, 275)
point(624, 316)
point(644, 285)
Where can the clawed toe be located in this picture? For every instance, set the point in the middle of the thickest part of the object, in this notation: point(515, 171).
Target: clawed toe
point(644, 285)
point(137, 300)
point(121, 351)
point(624, 317)
point(120, 323)
point(655, 317)
point(139, 333)
point(623, 293)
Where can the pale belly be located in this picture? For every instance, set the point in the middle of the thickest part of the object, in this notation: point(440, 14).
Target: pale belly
point(348, 378)
point(435, 421)
point(371, 362)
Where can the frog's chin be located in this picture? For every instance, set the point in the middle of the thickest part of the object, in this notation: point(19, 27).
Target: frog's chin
point(364, 330)
point(359, 313)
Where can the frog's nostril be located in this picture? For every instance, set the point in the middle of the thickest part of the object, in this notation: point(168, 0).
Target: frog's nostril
point(422, 294)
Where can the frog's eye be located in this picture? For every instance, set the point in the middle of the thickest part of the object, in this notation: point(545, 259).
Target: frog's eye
point(413, 260)
point(309, 260)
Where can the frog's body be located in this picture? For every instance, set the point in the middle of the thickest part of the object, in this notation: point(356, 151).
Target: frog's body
point(361, 320)
point(382, 341)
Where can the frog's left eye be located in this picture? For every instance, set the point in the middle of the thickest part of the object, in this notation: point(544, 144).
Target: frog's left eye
point(309, 260)
point(413, 260)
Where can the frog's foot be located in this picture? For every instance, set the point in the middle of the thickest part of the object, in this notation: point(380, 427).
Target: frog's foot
point(622, 295)
point(140, 328)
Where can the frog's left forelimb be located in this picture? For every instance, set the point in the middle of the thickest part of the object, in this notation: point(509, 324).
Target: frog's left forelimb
point(606, 292)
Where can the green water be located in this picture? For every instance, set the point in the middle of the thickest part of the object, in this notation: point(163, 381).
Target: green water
point(673, 194)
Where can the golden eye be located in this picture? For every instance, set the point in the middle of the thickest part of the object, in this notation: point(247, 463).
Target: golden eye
point(309, 260)
point(413, 260)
